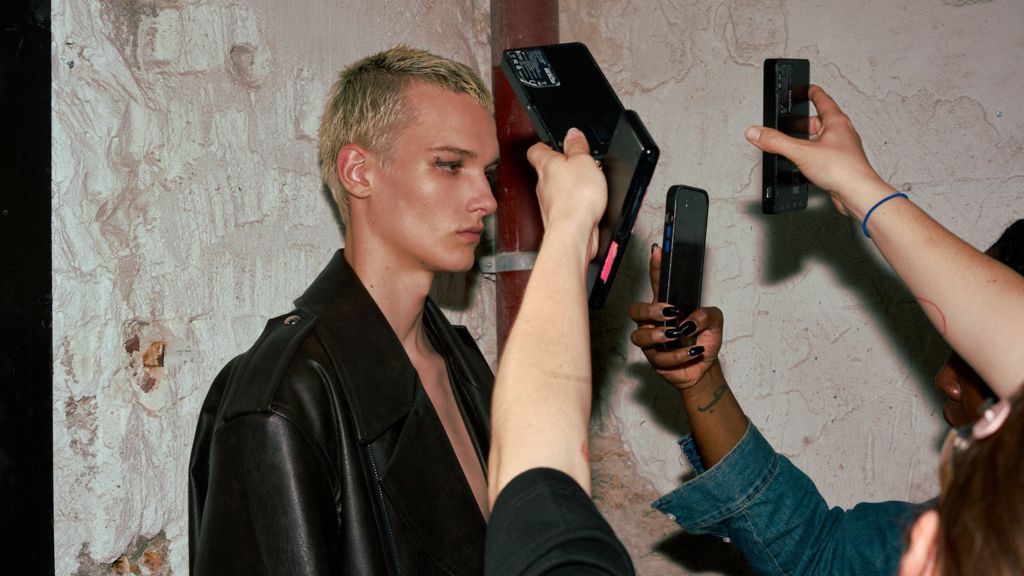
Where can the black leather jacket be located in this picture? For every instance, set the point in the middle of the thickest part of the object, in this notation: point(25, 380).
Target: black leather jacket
point(319, 452)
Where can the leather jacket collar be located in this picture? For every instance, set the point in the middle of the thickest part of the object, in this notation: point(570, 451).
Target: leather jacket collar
point(354, 327)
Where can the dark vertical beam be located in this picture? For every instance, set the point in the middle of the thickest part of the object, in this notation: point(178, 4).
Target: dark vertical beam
point(26, 389)
point(514, 24)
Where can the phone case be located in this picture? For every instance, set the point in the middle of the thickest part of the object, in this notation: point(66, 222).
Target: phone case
point(786, 108)
point(561, 86)
point(629, 167)
point(682, 254)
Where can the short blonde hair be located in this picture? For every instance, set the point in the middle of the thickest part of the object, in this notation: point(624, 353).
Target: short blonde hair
point(365, 105)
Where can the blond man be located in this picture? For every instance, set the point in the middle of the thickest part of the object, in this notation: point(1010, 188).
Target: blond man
point(351, 438)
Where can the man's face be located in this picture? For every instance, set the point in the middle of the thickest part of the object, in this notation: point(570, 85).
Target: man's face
point(429, 200)
point(965, 391)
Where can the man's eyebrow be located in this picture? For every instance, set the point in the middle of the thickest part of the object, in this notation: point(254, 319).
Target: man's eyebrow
point(455, 150)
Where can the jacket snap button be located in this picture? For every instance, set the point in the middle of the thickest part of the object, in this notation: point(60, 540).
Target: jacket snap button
point(293, 319)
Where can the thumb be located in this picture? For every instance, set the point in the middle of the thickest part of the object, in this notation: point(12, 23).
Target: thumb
point(575, 143)
point(772, 141)
point(538, 153)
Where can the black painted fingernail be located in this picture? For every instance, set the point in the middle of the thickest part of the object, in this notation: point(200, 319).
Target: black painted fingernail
point(695, 351)
point(672, 333)
point(654, 247)
point(670, 312)
point(687, 328)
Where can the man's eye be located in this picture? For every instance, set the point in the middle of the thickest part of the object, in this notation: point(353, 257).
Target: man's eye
point(452, 166)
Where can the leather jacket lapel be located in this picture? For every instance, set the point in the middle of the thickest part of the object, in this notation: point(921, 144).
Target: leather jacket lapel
point(377, 373)
point(425, 485)
point(473, 380)
point(421, 475)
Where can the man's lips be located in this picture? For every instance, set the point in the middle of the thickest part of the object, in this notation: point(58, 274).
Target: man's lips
point(473, 233)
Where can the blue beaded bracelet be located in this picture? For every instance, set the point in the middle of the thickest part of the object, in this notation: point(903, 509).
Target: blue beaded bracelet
point(864, 224)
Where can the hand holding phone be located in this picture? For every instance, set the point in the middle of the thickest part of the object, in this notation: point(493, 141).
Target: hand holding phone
point(682, 253)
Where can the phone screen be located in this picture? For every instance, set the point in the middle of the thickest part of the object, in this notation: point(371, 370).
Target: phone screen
point(682, 252)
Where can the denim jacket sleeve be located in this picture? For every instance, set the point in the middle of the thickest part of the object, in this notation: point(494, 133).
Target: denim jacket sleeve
point(775, 514)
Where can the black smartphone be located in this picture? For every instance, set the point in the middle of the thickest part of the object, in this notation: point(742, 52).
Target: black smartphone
point(787, 109)
point(628, 168)
point(682, 254)
point(561, 86)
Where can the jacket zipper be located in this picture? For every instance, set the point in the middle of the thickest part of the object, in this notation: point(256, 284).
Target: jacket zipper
point(392, 546)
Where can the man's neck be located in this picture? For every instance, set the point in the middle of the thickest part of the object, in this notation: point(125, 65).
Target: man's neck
point(400, 291)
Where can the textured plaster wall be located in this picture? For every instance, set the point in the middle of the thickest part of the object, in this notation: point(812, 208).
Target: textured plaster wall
point(187, 210)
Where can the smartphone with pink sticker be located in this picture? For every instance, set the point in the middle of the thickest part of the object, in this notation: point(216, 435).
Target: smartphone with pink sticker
point(628, 167)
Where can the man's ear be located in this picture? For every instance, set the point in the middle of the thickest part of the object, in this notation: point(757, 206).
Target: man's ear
point(351, 166)
point(921, 557)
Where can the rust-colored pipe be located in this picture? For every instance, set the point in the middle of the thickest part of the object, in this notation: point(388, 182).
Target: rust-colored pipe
point(514, 24)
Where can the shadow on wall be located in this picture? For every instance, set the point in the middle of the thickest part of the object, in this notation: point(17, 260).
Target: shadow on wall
point(822, 236)
point(818, 235)
point(793, 241)
point(704, 554)
point(610, 328)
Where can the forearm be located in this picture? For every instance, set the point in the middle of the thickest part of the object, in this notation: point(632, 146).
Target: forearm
point(976, 302)
point(717, 421)
point(541, 404)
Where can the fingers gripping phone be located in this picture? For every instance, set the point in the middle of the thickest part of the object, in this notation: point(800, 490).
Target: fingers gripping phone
point(787, 109)
point(682, 253)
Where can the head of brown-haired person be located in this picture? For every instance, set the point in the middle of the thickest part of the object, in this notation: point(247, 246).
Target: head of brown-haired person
point(978, 526)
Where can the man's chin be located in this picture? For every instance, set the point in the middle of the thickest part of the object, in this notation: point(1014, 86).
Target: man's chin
point(454, 266)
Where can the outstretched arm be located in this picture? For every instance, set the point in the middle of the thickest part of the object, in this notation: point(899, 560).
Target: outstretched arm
point(976, 302)
point(541, 404)
point(717, 422)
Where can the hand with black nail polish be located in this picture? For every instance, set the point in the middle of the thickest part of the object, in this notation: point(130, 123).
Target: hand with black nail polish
point(685, 366)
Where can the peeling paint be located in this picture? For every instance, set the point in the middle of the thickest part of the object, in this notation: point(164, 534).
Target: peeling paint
point(241, 56)
point(80, 421)
point(124, 17)
point(144, 556)
point(154, 355)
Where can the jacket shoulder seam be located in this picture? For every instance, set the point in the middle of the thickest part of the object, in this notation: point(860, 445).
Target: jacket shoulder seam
point(255, 383)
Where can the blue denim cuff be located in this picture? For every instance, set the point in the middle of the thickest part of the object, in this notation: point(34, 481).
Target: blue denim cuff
point(701, 505)
point(689, 448)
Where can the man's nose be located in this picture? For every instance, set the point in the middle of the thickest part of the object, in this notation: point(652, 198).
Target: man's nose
point(483, 199)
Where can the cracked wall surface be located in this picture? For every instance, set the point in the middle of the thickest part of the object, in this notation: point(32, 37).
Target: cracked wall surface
point(187, 209)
